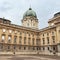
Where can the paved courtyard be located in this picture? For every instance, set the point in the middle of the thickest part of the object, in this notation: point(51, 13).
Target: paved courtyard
point(28, 57)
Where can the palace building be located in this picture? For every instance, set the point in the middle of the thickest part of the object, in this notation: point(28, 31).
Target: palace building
point(28, 38)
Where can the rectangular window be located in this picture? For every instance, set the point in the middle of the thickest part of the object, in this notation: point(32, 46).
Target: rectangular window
point(14, 47)
point(43, 35)
point(29, 34)
point(59, 31)
point(15, 38)
point(20, 47)
point(1, 46)
point(29, 41)
point(3, 37)
point(20, 33)
point(48, 48)
point(47, 34)
point(9, 38)
point(24, 40)
point(37, 48)
point(8, 47)
point(43, 48)
point(20, 40)
point(52, 33)
point(43, 41)
point(47, 40)
point(53, 38)
point(37, 41)
point(28, 24)
point(33, 41)
point(53, 48)
point(32, 35)
point(24, 34)
point(24, 48)
point(33, 48)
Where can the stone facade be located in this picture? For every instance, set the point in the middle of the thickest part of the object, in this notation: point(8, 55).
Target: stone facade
point(28, 40)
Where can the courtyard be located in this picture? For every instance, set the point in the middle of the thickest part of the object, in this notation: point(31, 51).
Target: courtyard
point(28, 57)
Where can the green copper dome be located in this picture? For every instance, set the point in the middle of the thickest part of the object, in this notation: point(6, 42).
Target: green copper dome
point(29, 12)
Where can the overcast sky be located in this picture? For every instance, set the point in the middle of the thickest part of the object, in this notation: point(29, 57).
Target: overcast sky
point(14, 10)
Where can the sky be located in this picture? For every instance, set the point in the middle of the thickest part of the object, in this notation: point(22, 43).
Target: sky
point(14, 10)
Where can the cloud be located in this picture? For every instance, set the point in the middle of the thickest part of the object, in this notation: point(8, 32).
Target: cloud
point(14, 9)
point(5, 6)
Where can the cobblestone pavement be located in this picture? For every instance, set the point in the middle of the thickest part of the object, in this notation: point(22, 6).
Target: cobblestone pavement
point(26, 57)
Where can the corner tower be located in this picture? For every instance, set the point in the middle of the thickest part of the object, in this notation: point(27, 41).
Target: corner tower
point(55, 20)
point(30, 19)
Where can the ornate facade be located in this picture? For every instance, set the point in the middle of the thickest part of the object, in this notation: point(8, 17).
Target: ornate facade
point(28, 38)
